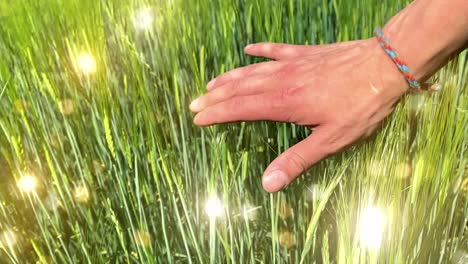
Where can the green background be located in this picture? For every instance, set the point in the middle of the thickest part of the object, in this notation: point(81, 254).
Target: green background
point(124, 175)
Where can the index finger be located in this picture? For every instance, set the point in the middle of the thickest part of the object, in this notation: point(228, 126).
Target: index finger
point(262, 68)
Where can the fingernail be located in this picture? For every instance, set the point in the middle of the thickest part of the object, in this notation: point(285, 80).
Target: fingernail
point(248, 46)
point(195, 105)
point(275, 181)
point(211, 83)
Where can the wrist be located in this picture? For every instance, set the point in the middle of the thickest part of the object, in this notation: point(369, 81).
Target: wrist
point(389, 79)
point(427, 34)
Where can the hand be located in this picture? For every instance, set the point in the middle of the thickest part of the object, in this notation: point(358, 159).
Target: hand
point(342, 91)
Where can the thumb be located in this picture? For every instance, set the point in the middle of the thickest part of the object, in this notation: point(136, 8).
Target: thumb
point(294, 161)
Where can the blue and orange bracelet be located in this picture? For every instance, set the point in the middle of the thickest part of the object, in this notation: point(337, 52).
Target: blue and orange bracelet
point(401, 65)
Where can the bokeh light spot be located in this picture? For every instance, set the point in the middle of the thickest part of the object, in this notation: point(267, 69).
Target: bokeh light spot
point(81, 193)
point(27, 183)
point(287, 239)
point(214, 208)
point(250, 213)
point(86, 63)
point(8, 239)
point(142, 238)
point(144, 19)
point(371, 225)
point(66, 106)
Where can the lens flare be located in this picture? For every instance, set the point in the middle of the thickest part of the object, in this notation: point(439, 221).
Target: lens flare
point(287, 239)
point(214, 208)
point(27, 183)
point(285, 211)
point(81, 193)
point(417, 102)
point(250, 213)
point(66, 106)
point(144, 19)
point(86, 63)
point(314, 192)
point(52, 202)
point(372, 227)
point(142, 238)
point(8, 239)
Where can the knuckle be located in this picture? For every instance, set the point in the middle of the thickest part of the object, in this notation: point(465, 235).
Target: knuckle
point(235, 84)
point(296, 162)
point(266, 47)
point(283, 101)
point(249, 71)
point(288, 69)
point(231, 75)
point(286, 51)
point(236, 103)
point(237, 73)
point(285, 95)
point(277, 50)
point(224, 77)
point(226, 92)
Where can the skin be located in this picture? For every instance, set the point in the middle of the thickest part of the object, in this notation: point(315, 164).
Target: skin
point(342, 91)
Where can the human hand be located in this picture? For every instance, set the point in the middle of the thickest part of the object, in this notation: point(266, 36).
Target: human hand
point(342, 91)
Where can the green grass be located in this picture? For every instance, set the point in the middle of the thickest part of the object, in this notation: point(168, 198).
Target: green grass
point(124, 175)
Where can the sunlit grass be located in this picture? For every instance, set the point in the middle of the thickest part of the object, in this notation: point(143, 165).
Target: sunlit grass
point(94, 99)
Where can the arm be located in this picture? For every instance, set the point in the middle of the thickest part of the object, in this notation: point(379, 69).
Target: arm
point(428, 33)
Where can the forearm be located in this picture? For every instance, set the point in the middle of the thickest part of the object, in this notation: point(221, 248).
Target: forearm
point(428, 33)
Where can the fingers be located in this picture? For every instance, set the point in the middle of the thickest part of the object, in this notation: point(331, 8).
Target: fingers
point(277, 51)
point(241, 87)
point(294, 161)
point(274, 106)
point(263, 68)
point(287, 51)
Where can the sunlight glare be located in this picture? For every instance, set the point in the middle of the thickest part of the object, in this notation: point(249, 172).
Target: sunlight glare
point(8, 238)
point(81, 193)
point(214, 208)
point(371, 227)
point(143, 19)
point(27, 183)
point(86, 63)
point(250, 213)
